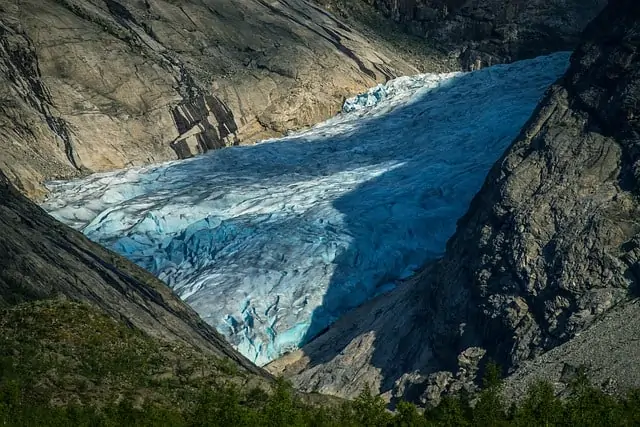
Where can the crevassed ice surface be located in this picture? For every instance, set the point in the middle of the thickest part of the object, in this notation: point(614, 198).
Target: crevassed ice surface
point(272, 242)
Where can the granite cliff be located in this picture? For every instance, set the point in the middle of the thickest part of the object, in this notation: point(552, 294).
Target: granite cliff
point(547, 249)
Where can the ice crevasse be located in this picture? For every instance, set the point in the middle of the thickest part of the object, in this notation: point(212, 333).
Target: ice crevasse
point(270, 243)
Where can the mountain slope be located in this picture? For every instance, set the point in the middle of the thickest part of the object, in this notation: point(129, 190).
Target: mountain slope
point(43, 259)
point(63, 353)
point(548, 244)
point(95, 85)
point(606, 349)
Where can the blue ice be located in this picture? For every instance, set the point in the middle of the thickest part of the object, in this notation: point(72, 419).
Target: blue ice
point(270, 243)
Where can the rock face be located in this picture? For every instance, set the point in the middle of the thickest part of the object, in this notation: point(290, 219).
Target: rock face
point(43, 259)
point(550, 243)
point(486, 32)
point(91, 85)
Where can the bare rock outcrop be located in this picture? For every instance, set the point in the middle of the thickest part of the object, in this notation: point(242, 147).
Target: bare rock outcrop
point(91, 85)
point(549, 245)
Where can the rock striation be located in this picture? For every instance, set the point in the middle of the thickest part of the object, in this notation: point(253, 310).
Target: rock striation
point(548, 246)
point(92, 85)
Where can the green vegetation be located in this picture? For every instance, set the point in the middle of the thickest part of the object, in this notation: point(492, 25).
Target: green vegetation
point(68, 364)
point(585, 406)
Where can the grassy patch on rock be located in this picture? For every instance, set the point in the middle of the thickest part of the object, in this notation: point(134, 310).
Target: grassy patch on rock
point(62, 352)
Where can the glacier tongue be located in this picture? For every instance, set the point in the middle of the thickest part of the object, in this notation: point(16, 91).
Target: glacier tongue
point(272, 242)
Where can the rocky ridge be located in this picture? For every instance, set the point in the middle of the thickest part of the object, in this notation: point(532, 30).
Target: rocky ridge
point(606, 350)
point(93, 85)
point(548, 246)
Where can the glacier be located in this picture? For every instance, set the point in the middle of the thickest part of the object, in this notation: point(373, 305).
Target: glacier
point(271, 243)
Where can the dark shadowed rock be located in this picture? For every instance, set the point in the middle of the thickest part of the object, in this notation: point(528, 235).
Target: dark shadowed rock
point(549, 244)
point(487, 32)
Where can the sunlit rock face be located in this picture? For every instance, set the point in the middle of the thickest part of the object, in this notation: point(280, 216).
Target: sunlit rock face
point(90, 86)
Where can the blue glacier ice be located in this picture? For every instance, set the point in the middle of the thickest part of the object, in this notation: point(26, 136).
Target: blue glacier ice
point(271, 243)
